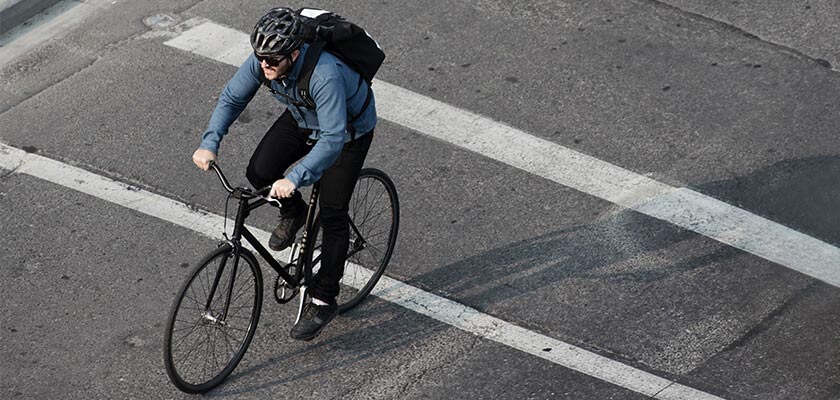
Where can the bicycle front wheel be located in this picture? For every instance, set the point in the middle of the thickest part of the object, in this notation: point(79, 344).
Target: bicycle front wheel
point(213, 320)
point(374, 222)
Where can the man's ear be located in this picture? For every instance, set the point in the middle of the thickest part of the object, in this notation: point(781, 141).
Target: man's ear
point(295, 55)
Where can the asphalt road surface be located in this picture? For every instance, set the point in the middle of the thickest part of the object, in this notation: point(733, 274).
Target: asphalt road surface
point(600, 200)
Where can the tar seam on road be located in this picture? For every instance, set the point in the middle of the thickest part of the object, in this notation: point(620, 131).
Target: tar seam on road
point(447, 311)
point(732, 28)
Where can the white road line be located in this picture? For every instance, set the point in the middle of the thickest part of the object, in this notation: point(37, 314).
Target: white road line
point(53, 22)
point(217, 42)
point(439, 308)
point(679, 206)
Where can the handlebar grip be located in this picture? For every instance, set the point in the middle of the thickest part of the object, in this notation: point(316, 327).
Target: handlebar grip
point(264, 191)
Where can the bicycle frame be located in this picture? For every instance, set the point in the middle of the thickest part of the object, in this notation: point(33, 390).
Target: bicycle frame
point(247, 202)
point(231, 311)
point(240, 231)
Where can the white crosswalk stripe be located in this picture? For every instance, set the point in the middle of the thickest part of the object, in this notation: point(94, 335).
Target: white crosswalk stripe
point(422, 302)
point(680, 206)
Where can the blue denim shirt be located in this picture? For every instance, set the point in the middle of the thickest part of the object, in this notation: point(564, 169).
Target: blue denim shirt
point(335, 89)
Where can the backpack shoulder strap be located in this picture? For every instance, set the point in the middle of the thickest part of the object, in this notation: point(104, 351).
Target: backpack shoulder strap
point(313, 53)
point(368, 96)
point(310, 60)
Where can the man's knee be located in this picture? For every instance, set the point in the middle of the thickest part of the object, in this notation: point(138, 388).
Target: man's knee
point(252, 176)
point(257, 179)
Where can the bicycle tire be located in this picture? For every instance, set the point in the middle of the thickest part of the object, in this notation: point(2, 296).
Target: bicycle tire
point(189, 308)
point(365, 267)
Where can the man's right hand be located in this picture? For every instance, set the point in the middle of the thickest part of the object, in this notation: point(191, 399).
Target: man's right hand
point(203, 157)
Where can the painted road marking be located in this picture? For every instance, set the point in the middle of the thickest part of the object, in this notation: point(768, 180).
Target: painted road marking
point(410, 297)
point(680, 206)
point(52, 22)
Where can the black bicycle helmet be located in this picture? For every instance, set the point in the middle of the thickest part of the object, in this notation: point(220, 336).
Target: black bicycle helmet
point(279, 32)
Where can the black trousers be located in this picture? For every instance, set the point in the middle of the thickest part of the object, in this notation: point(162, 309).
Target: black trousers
point(282, 145)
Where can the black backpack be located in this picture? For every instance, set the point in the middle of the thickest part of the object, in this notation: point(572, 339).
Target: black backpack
point(324, 30)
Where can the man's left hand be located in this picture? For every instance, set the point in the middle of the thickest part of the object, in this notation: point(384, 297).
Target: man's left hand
point(282, 188)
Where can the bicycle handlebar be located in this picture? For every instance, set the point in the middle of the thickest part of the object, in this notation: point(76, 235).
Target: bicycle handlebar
point(221, 176)
point(262, 193)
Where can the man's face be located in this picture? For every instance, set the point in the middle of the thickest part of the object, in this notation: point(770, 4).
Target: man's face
point(275, 67)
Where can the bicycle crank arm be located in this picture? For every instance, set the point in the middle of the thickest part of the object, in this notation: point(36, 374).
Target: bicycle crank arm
point(302, 303)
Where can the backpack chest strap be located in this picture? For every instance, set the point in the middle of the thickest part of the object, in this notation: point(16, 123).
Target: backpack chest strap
point(296, 103)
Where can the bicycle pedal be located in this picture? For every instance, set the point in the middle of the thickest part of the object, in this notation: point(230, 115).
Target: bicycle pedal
point(283, 292)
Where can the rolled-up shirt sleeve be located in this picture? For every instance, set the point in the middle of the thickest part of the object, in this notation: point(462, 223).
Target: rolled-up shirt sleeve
point(331, 106)
point(234, 98)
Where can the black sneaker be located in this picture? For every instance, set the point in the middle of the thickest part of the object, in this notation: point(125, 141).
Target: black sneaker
point(289, 223)
point(314, 319)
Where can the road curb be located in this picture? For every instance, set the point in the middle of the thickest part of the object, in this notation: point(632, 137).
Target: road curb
point(15, 12)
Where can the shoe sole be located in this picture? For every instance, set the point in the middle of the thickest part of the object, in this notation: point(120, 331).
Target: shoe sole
point(306, 338)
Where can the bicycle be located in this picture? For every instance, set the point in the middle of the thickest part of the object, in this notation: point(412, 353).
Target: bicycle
point(214, 315)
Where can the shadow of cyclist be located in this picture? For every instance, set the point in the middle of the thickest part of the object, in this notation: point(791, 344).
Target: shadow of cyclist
point(620, 268)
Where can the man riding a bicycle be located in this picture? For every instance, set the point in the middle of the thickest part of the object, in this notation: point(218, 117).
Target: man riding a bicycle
point(332, 139)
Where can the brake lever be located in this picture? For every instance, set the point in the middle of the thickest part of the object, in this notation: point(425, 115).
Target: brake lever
point(270, 199)
point(273, 200)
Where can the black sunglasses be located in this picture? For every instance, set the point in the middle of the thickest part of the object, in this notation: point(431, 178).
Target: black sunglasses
point(271, 61)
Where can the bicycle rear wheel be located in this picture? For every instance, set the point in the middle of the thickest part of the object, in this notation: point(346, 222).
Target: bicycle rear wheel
point(374, 214)
point(202, 345)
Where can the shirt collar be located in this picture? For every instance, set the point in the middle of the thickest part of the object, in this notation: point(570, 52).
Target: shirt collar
point(298, 65)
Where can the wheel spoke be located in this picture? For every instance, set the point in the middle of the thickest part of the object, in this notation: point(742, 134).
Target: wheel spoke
point(188, 334)
point(200, 347)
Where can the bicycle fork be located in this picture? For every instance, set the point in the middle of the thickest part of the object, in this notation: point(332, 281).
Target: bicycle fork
point(208, 313)
point(235, 246)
